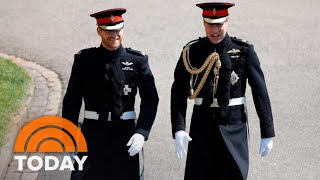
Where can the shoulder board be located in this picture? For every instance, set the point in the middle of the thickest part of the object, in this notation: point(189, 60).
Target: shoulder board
point(241, 41)
point(194, 41)
point(136, 52)
point(84, 51)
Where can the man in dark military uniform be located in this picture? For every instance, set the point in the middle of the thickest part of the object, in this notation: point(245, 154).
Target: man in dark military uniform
point(214, 71)
point(106, 79)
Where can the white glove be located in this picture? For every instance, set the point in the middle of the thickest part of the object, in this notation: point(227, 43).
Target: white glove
point(136, 143)
point(266, 145)
point(181, 138)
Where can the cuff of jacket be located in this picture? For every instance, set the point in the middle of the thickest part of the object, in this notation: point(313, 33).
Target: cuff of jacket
point(143, 132)
point(174, 130)
point(268, 132)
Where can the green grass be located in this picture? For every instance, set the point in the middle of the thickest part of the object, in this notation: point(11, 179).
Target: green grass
point(14, 82)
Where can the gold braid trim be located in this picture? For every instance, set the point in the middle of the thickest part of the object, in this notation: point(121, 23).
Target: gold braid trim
point(211, 59)
point(216, 75)
point(186, 61)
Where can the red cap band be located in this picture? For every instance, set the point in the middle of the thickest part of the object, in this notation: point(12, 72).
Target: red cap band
point(107, 20)
point(215, 13)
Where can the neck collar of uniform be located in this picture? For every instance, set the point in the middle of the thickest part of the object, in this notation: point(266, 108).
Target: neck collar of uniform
point(111, 53)
point(224, 41)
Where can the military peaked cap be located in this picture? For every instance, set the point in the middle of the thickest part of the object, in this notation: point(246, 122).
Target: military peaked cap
point(110, 19)
point(215, 12)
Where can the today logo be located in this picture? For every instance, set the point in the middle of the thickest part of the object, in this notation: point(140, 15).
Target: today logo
point(50, 134)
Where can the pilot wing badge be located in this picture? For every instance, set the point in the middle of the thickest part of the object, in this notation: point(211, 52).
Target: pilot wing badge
point(127, 66)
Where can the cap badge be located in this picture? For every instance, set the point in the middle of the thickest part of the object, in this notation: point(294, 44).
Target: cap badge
point(214, 11)
point(112, 18)
point(126, 89)
point(234, 78)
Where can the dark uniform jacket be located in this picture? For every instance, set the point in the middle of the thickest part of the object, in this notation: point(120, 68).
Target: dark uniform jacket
point(220, 140)
point(108, 81)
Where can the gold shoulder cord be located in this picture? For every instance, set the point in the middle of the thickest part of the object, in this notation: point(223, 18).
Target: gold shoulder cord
point(213, 58)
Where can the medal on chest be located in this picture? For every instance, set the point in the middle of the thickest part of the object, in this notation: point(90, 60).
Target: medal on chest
point(126, 89)
point(234, 78)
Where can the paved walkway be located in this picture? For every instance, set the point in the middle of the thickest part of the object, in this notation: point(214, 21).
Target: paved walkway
point(45, 97)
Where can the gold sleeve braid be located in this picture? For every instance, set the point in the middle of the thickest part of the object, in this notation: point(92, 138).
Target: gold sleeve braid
point(212, 59)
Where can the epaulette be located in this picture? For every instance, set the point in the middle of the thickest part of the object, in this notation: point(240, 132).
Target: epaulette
point(136, 52)
point(241, 41)
point(83, 51)
point(193, 41)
